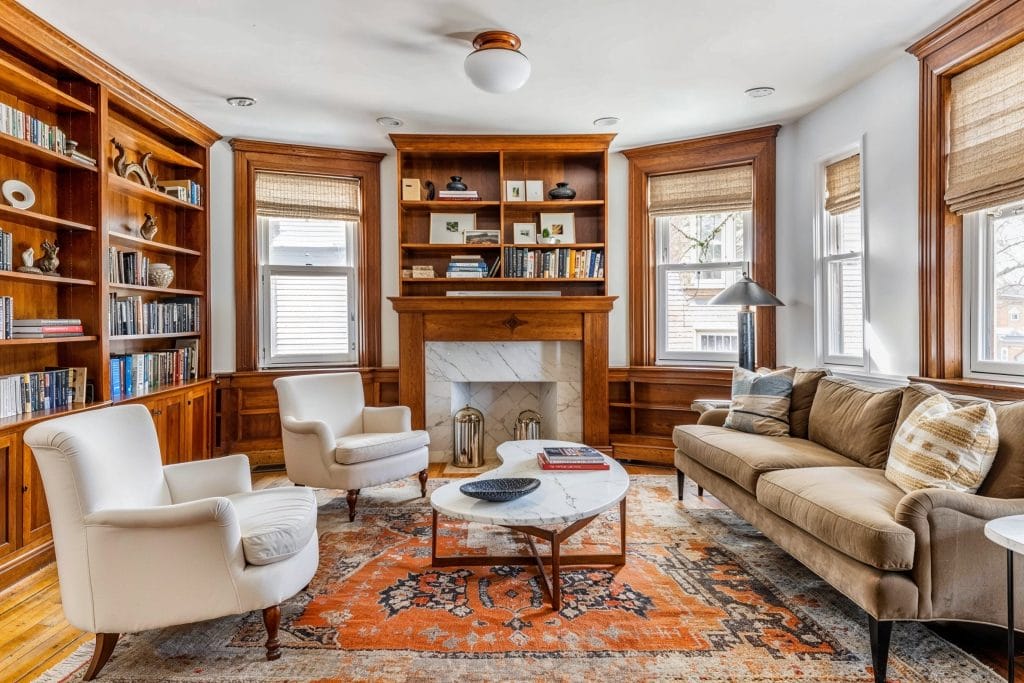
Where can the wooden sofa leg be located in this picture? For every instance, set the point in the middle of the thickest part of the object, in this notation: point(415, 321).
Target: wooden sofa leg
point(880, 633)
point(351, 498)
point(700, 490)
point(271, 621)
point(422, 476)
point(105, 643)
point(680, 482)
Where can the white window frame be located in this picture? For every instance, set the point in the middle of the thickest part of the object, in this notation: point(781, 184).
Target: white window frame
point(268, 359)
point(825, 338)
point(665, 357)
point(977, 272)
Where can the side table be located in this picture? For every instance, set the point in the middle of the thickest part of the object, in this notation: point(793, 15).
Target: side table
point(1009, 533)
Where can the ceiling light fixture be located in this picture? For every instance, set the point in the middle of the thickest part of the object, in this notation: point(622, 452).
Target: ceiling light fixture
point(760, 91)
point(606, 121)
point(389, 122)
point(241, 101)
point(497, 65)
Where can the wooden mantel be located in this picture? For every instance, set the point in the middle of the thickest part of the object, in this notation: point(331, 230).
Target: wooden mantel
point(423, 319)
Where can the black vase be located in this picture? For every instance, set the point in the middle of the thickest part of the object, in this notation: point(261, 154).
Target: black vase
point(562, 191)
point(456, 185)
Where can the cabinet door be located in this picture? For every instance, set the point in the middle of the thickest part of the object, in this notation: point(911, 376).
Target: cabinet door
point(35, 522)
point(9, 494)
point(196, 436)
point(171, 421)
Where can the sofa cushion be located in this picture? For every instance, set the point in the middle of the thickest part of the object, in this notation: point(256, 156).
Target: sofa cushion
point(805, 385)
point(276, 523)
point(760, 401)
point(854, 420)
point(356, 448)
point(744, 457)
point(848, 508)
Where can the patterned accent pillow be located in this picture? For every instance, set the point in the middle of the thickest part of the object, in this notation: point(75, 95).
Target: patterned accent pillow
point(943, 447)
point(760, 401)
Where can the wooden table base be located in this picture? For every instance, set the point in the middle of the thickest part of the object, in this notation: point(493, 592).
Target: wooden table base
point(555, 538)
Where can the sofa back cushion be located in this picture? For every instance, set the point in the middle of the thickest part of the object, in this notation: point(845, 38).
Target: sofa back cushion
point(854, 420)
point(805, 384)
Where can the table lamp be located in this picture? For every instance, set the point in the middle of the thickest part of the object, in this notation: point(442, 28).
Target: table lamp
point(745, 293)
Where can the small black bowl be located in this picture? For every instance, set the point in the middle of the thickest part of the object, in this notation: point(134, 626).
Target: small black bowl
point(500, 490)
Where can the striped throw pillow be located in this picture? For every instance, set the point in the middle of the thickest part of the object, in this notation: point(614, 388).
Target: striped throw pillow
point(760, 401)
point(943, 447)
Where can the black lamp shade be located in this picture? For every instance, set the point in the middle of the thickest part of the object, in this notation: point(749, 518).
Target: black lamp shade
point(745, 292)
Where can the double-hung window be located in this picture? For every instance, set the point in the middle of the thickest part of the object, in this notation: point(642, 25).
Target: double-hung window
point(702, 221)
point(307, 227)
point(841, 266)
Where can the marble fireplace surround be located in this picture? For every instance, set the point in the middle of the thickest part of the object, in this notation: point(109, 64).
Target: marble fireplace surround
point(501, 379)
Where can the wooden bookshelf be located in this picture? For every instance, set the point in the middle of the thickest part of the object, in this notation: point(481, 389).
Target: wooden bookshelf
point(148, 194)
point(485, 163)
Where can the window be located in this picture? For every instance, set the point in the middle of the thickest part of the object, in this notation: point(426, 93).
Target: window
point(840, 297)
point(994, 291)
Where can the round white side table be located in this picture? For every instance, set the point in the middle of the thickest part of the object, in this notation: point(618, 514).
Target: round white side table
point(1009, 533)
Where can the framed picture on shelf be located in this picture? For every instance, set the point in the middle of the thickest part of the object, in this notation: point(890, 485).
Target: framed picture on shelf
point(524, 233)
point(481, 237)
point(515, 190)
point(557, 228)
point(534, 190)
point(447, 228)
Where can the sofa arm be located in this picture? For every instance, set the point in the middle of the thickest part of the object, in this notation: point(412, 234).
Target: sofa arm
point(216, 511)
point(208, 478)
point(915, 507)
point(714, 417)
point(387, 419)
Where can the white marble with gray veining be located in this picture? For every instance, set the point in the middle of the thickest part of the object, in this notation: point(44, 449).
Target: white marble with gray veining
point(561, 498)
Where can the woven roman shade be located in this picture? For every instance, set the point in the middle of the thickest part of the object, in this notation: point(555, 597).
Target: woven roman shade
point(288, 195)
point(714, 191)
point(842, 185)
point(985, 166)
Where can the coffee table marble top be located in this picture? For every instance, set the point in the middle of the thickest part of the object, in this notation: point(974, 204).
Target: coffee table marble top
point(1007, 532)
point(563, 496)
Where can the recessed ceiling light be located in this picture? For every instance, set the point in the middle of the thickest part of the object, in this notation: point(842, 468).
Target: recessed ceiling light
point(389, 122)
point(760, 91)
point(606, 121)
point(241, 101)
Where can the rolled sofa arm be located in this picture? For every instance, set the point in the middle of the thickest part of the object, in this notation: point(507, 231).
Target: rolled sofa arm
point(386, 419)
point(208, 478)
point(714, 417)
point(218, 511)
point(915, 507)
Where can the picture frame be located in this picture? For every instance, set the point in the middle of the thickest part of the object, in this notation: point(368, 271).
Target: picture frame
point(411, 190)
point(447, 228)
point(534, 190)
point(557, 228)
point(481, 237)
point(515, 190)
point(524, 233)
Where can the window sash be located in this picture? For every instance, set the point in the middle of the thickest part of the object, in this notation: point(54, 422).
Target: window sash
point(697, 356)
point(833, 324)
point(829, 302)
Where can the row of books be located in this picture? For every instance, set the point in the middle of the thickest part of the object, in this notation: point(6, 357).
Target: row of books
point(134, 374)
point(47, 390)
point(131, 315)
point(40, 328)
point(469, 266)
point(571, 458)
point(21, 125)
point(127, 267)
point(458, 195)
point(6, 250)
point(185, 190)
point(554, 263)
point(6, 317)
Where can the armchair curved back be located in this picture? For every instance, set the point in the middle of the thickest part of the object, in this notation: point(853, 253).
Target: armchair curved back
point(334, 398)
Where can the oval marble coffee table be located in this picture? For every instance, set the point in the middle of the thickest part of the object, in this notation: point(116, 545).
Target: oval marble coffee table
point(565, 502)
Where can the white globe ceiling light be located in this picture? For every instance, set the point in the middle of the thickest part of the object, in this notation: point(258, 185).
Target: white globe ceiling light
point(497, 65)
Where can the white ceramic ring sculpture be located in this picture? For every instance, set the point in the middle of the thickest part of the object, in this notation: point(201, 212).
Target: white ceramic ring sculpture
point(18, 194)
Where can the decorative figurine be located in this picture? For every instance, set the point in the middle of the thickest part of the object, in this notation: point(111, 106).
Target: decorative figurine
point(48, 264)
point(431, 190)
point(456, 185)
point(28, 259)
point(148, 228)
point(140, 169)
point(562, 191)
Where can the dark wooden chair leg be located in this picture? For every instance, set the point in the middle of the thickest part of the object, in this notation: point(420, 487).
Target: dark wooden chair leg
point(351, 498)
point(880, 633)
point(271, 621)
point(680, 483)
point(700, 490)
point(105, 643)
point(422, 476)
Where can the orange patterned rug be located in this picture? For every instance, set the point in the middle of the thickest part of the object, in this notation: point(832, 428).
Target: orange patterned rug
point(703, 597)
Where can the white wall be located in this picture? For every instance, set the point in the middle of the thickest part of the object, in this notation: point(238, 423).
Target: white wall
point(222, 258)
point(882, 109)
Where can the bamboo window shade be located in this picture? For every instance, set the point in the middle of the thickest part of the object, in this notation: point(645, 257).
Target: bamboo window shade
point(290, 195)
point(985, 163)
point(717, 190)
point(842, 185)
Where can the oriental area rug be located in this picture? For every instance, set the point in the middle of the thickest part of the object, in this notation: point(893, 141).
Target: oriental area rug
point(703, 597)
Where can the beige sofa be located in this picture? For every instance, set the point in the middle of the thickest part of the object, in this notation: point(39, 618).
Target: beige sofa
point(821, 495)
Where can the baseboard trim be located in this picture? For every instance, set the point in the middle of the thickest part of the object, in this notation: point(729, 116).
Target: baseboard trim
point(26, 562)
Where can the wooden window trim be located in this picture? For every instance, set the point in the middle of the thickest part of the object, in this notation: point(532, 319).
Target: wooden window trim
point(252, 156)
point(755, 146)
point(982, 31)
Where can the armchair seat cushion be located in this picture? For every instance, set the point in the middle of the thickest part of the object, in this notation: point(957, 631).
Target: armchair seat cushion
point(356, 448)
point(276, 523)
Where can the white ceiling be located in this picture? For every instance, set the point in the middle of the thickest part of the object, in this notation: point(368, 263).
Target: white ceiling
point(324, 70)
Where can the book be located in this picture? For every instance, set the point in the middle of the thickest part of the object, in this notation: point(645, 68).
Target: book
point(573, 452)
point(44, 335)
point(547, 465)
point(34, 322)
point(48, 329)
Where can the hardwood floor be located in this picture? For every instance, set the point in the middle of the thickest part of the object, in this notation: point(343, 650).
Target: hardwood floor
point(34, 635)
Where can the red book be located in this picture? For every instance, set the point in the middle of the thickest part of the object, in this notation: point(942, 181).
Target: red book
point(47, 329)
point(545, 465)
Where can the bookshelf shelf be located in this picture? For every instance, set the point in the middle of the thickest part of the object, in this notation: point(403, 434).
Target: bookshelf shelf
point(31, 88)
point(22, 150)
point(149, 245)
point(450, 248)
point(39, 279)
point(132, 189)
point(450, 205)
point(163, 335)
point(576, 245)
point(478, 280)
point(122, 131)
point(39, 220)
point(156, 290)
point(554, 204)
point(49, 340)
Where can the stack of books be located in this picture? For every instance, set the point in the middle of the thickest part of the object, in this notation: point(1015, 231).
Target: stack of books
point(84, 158)
point(418, 272)
point(185, 190)
point(134, 374)
point(46, 328)
point(571, 458)
point(130, 315)
point(21, 125)
point(6, 316)
point(554, 263)
point(458, 195)
point(6, 250)
point(466, 265)
point(47, 390)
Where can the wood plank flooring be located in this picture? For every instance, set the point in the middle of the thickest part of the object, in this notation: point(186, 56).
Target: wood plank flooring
point(34, 635)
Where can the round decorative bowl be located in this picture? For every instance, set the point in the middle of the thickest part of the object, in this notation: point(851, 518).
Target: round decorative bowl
point(562, 191)
point(500, 490)
point(160, 275)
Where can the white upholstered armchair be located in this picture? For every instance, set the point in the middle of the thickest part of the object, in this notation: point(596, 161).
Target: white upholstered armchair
point(142, 546)
point(333, 440)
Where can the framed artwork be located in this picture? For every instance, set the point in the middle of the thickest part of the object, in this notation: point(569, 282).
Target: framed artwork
point(534, 190)
point(515, 190)
point(524, 233)
point(447, 228)
point(481, 237)
point(557, 228)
